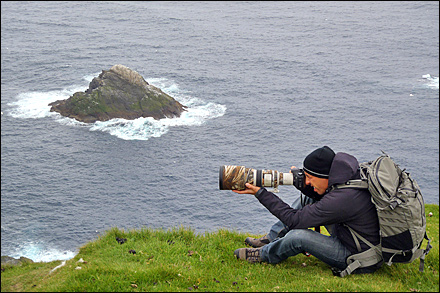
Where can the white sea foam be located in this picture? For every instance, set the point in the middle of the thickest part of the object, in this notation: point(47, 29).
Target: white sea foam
point(432, 81)
point(36, 105)
point(40, 252)
point(90, 77)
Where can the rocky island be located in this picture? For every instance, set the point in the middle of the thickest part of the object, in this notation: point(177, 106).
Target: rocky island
point(118, 93)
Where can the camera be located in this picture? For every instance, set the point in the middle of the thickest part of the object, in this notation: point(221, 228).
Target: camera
point(235, 178)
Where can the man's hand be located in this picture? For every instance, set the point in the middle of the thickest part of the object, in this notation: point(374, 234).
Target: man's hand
point(250, 189)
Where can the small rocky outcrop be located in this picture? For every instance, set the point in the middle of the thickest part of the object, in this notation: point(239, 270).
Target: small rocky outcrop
point(118, 93)
point(7, 260)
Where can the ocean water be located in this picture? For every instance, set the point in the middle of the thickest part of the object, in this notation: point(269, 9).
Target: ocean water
point(265, 84)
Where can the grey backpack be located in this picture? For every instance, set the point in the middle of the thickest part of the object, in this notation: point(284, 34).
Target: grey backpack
point(401, 211)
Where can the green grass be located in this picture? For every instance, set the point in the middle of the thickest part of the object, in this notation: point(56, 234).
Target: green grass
point(181, 260)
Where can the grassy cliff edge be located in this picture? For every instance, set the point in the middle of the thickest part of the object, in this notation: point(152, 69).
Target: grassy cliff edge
point(179, 259)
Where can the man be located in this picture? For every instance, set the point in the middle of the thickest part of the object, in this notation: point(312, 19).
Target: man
point(323, 206)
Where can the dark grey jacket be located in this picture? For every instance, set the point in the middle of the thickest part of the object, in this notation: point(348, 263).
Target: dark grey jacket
point(341, 207)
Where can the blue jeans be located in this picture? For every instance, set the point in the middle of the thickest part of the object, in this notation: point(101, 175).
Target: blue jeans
point(285, 243)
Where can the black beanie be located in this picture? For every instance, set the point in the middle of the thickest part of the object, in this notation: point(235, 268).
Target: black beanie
point(318, 162)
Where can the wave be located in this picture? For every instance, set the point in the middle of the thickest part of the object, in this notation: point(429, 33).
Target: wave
point(432, 81)
point(33, 105)
point(40, 252)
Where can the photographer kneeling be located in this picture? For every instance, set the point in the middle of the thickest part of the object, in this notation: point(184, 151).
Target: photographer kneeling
point(322, 206)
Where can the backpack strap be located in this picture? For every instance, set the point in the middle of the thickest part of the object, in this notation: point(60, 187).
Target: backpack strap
point(418, 252)
point(367, 258)
point(424, 253)
point(355, 183)
point(363, 184)
point(356, 241)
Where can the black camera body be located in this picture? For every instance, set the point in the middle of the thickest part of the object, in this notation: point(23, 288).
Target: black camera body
point(299, 179)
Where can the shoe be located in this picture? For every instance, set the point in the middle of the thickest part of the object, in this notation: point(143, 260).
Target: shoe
point(254, 242)
point(252, 255)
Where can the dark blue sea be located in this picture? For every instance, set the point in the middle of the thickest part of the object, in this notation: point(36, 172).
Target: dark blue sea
point(265, 84)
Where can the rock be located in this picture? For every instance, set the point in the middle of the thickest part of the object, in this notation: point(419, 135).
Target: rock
point(82, 261)
point(121, 240)
point(57, 267)
point(118, 93)
point(13, 261)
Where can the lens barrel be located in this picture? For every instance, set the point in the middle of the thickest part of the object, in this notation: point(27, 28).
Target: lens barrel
point(235, 177)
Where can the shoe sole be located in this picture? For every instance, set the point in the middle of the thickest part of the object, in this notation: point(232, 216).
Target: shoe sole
point(241, 253)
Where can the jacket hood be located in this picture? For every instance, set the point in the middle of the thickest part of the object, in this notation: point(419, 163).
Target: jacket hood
point(344, 167)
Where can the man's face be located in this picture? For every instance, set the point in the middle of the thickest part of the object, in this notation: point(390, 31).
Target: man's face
point(320, 185)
